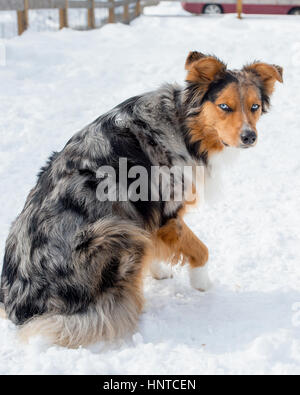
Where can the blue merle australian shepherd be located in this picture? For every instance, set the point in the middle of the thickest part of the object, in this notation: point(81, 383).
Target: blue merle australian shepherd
point(74, 263)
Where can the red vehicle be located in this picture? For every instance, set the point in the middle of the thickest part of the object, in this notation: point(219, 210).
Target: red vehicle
point(249, 7)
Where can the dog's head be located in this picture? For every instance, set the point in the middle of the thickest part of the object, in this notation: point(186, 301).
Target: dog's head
point(226, 105)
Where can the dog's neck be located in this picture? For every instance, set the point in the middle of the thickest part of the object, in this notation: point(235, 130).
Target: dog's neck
point(205, 147)
point(213, 172)
point(219, 160)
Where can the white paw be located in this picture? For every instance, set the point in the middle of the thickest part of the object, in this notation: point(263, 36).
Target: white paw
point(199, 278)
point(160, 271)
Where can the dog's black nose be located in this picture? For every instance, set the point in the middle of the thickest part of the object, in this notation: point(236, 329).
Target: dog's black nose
point(248, 137)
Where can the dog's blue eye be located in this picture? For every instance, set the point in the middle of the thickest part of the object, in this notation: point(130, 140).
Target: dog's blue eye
point(255, 107)
point(224, 107)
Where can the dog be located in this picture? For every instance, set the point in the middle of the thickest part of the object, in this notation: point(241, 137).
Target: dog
point(74, 264)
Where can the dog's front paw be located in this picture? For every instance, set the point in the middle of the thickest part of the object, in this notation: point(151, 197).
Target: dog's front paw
point(199, 278)
point(160, 271)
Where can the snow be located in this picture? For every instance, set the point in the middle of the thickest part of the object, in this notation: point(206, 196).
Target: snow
point(54, 83)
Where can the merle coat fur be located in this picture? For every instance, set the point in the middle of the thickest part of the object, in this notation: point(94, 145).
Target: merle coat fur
point(65, 251)
point(73, 264)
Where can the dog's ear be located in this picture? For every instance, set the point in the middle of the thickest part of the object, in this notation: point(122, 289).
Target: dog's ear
point(267, 73)
point(192, 57)
point(203, 69)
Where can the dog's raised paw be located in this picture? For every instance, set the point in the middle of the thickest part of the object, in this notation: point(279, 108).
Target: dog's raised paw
point(199, 278)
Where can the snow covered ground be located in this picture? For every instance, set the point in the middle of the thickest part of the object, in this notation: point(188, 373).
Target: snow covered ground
point(54, 83)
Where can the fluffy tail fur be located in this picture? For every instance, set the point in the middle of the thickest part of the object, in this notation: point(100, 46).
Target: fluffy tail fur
point(115, 309)
point(107, 320)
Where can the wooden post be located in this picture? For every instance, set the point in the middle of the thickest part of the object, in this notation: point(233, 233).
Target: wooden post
point(126, 13)
point(138, 8)
point(21, 29)
point(63, 16)
point(91, 14)
point(26, 8)
point(23, 18)
point(111, 12)
point(239, 8)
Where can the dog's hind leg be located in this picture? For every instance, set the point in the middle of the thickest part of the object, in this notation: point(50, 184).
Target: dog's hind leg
point(110, 257)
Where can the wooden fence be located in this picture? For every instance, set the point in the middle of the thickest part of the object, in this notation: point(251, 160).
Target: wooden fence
point(131, 9)
point(22, 7)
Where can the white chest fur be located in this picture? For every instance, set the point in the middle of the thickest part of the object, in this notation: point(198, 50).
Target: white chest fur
point(213, 173)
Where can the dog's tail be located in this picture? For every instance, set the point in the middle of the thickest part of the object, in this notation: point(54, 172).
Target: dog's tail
point(108, 320)
point(115, 253)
